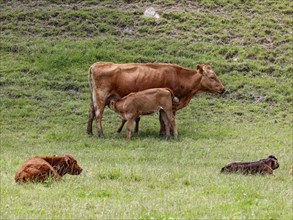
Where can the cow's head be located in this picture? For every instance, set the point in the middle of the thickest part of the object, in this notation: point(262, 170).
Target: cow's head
point(71, 166)
point(112, 103)
point(272, 162)
point(209, 82)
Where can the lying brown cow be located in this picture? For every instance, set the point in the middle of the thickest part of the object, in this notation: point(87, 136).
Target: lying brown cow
point(146, 102)
point(263, 166)
point(109, 80)
point(38, 169)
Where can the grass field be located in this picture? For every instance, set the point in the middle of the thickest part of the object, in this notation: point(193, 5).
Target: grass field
point(46, 49)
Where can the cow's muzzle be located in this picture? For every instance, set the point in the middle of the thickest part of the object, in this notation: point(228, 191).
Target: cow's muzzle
point(222, 91)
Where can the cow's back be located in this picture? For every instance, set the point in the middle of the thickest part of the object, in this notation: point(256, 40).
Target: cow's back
point(32, 169)
point(122, 79)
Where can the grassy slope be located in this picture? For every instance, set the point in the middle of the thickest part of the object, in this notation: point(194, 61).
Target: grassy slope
point(46, 49)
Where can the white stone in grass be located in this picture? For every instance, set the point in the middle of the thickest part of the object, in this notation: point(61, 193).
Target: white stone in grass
point(151, 13)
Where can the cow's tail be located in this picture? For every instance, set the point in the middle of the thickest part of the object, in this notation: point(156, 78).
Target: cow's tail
point(90, 83)
point(91, 89)
point(91, 112)
point(174, 98)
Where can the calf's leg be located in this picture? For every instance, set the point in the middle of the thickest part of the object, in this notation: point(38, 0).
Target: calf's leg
point(266, 170)
point(129, 127)
point(162, 126)
point(166, 123)
point(136, 124)
point(171, 119)
point(121, 125)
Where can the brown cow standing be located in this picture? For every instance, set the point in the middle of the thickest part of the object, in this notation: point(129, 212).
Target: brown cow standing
point(146, 102)
point(38, 168)
point(263, 166)
point(109, 80)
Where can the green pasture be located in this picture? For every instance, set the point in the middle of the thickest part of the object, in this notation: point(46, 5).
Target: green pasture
point(46, 48)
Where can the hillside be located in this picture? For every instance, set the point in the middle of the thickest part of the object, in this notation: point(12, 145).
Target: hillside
point(46, 48)
point(249, 44)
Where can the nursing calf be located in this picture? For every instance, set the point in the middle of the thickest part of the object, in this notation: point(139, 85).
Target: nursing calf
point(145, 102)
point(263, 166)
point(38, 169)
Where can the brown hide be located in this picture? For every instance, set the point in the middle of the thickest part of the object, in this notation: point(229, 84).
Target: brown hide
point(263, 166)
point(38, 168)
point(109, 80)
point(146, 102)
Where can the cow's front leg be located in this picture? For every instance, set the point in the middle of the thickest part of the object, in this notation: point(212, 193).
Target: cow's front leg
point(54, 174)
point(99, 115)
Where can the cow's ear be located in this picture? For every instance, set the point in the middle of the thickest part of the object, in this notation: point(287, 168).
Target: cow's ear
point(112, 104)
point(67, 160)
point(199, 68)
point(272, 163)
point(275, 164)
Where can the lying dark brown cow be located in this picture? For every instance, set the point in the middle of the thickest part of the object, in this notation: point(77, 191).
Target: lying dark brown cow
point(109, 80)
point(39, 169)
point(263, 166)
point(146, 102)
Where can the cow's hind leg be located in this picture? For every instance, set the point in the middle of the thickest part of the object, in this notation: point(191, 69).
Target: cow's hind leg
point(99, 115)
point(91, 117)
point(99, 105)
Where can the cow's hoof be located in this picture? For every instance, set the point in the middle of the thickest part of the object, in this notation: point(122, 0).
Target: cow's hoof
point(101, 135)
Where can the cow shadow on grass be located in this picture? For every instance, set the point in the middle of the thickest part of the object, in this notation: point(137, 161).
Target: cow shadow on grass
point(143, 134)
point(140, 135)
